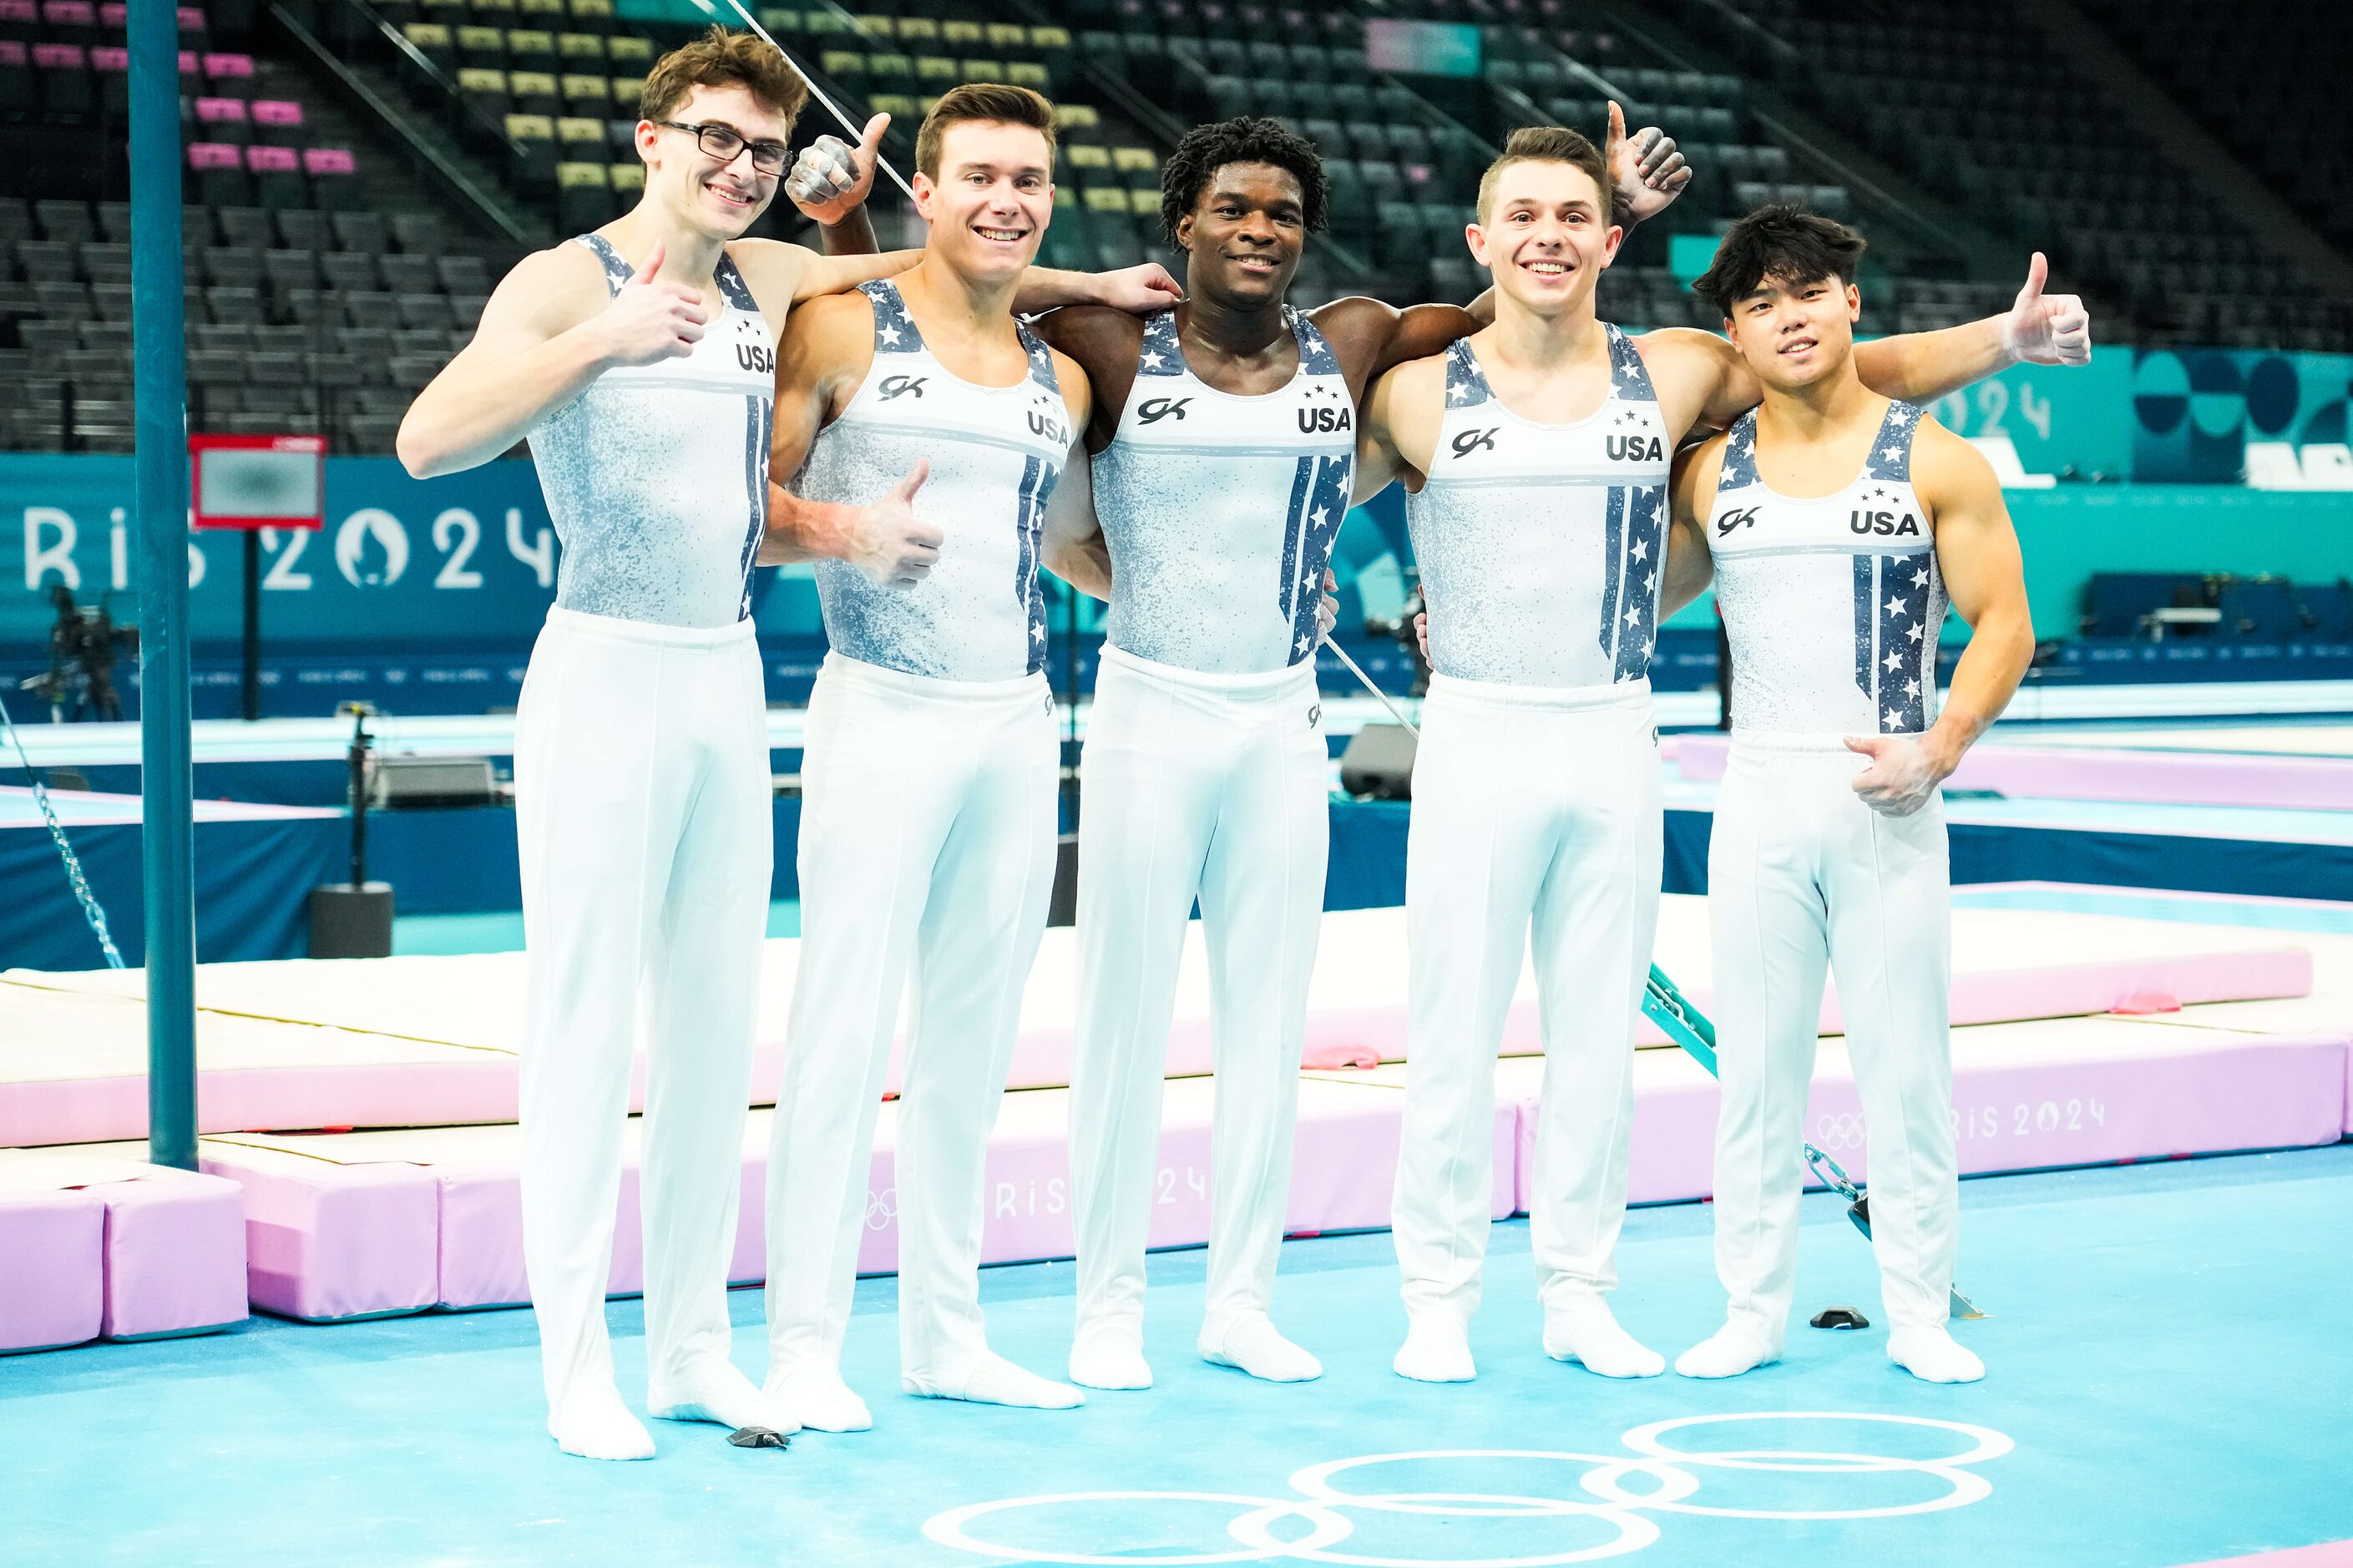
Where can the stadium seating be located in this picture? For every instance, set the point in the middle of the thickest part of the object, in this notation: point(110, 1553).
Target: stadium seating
point(319, 290)
point(2267, 77)
point(1996, 120)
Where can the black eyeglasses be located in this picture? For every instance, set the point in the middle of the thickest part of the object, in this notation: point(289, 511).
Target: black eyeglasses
point(723, 143)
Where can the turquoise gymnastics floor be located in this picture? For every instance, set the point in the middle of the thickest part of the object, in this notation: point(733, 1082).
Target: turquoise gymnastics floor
point(2171, 1381)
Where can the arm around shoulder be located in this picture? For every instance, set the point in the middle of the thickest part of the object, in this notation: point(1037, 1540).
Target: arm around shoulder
point(1404, 400)
point(1690, 497)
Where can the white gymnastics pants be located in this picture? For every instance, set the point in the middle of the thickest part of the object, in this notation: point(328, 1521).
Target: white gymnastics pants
point(1214, 785)
point(1801, 874)
point(1534, 811)
point(642, 812)
point(927, 843)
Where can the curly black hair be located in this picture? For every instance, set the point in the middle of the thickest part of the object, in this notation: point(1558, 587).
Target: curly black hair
point(1206, 149)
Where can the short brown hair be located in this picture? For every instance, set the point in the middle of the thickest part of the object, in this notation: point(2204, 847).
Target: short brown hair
point(983, 101)
point(1548, 144)
point(721, 59)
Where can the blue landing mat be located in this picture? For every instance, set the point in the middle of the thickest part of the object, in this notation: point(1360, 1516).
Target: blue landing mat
point(2167, 1384)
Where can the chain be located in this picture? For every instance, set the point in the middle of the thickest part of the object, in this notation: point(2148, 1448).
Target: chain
point(1835, 1177)
point(91, 910)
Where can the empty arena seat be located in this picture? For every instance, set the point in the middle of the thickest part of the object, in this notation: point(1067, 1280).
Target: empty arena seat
point(2258, 607)
point(222, 119)
point(276, 120)
point(331, 173)
point(217, 169)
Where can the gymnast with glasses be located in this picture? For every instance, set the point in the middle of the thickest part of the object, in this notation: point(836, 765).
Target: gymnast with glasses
point(639, 360)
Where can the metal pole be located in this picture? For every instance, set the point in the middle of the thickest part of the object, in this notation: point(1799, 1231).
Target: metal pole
point(167, 784)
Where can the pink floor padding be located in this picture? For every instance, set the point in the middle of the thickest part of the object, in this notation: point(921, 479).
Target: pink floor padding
point(52, 1268)
point(172, 1252)
point(2119, 773)
point(423, 1041)
point(367, 1222)
point(326, 1240)
point(2026, 1097)
point(370, 1223)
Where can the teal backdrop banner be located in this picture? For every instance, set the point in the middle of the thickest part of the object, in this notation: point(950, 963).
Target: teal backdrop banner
point(2194, 410)
point(2073, 422)
point(467, 558)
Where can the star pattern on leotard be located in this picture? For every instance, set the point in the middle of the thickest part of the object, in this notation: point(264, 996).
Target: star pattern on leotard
point(1315, 355)
point(1739, 456)
point(1905, 588)
point(616, 271)
point(1160, 355)
point(1466, 384)
point(1627, 376)
point(894, 329)
point(1891, 450)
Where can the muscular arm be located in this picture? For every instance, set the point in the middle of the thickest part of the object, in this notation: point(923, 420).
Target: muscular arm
point(1378, 462)
point(540, 342)
point(1074, 548)
point(1702, 380)
point(1977, 554)
point(826, 350)
point(1689, 497)
point(1105, 342)
point(1371, 337)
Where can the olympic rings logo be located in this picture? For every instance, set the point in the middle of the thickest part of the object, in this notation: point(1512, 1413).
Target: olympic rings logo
point(1838, 1131)
point(882, 1208)
point(1324, 1507)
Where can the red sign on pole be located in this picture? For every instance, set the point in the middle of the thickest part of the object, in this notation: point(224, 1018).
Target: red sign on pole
point(258, 481)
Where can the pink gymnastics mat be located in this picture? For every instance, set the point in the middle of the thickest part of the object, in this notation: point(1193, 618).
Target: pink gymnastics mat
point(360, 1224)
point(101, 1244)
point(2171, 774)
point(309, 1044)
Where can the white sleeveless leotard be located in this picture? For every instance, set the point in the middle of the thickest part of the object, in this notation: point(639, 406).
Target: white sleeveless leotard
point(1540, 545)
point(1220, 510)
point(657, 475)
point(1832, 605)
point(995, 454)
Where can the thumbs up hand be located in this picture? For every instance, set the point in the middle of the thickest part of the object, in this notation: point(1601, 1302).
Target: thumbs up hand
point(830, 177)
point(1645, 168)
point(2046, 329)
point(651, 318)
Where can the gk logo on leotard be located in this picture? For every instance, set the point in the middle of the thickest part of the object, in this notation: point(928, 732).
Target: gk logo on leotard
point(1312, 420)
point(1883, 523)
point(1469, 441)
point(1638, 448)
point(1732, 519)
point(1161, 409)
point(894, 386)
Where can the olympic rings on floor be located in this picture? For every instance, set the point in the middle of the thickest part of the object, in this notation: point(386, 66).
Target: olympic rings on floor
point(1322, 1505)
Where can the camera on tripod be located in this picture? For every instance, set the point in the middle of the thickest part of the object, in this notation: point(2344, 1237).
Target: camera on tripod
point(84, 643)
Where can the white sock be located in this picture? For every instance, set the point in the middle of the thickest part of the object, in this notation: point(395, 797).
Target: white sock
point(1253, 1344)
point(1585, 1331)
point(712, 1389)
point(1933, 1355)
point(993, 1380)
point(1109, 1355)
point(1436, 1349)
point(813, 1396)
point(1730, 1350)
point(594, 1424)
